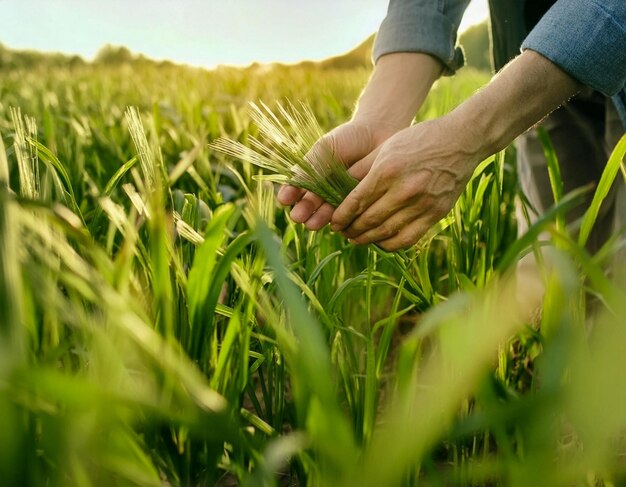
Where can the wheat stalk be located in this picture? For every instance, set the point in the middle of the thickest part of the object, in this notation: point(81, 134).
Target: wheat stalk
point(290, 148)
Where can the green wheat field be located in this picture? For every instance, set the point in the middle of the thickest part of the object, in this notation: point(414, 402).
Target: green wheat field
point(164, 323)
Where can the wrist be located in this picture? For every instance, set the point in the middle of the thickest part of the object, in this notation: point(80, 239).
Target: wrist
point(477, 129)
point(396, 89)
point(379, 130)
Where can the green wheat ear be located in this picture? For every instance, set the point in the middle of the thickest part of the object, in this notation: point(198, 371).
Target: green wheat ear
point(289, 146)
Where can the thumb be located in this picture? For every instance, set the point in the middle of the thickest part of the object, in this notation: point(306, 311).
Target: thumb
point(349, 142)
point(362, 167)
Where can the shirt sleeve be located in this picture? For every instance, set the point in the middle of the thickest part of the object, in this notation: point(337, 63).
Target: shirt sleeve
point(428, 26)
point(587, 39)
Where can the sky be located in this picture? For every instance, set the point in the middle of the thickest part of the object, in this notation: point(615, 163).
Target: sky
point(199, 32)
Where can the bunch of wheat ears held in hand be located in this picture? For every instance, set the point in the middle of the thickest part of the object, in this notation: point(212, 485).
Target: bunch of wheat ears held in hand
point(290, 149)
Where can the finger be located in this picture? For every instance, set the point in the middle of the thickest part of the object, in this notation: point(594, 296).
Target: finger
point(349, 142)
point(304, 209)
point(359, 199)
point(288, 195)
point(381, 211)
point(359, 169)
point(321, 217)
point(388, 228)
point(407, 237)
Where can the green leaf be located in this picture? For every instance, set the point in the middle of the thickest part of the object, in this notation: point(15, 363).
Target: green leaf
point(606, 181)
point(202, 287)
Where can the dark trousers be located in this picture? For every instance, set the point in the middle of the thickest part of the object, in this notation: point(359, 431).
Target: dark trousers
point(584, 132)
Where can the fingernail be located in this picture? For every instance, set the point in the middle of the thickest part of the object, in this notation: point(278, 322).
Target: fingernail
point(334, 227)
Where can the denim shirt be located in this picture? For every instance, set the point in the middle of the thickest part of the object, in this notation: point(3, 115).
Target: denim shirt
point(586, 38)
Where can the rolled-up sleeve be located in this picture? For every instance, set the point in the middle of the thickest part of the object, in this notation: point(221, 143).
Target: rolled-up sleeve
point(428, 26)
point(587, 39)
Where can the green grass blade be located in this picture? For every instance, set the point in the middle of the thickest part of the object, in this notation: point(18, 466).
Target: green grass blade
point(119, 174)
point(568, 202)
point(554, 171)
point(606, 181)
point(4, 164)
point(200, 282)
point(326, 424)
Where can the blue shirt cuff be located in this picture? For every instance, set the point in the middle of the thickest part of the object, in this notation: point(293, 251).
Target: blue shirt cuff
point(410, 28)
point(587, 39)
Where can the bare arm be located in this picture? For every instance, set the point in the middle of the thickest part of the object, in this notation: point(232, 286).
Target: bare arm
point(526, 91)
point(418, 174)
point(397, 89)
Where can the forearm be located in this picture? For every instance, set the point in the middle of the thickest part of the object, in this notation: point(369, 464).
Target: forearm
point(521, 95)
point(397, 88)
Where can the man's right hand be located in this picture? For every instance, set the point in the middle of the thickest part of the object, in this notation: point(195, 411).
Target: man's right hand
point(350, 143)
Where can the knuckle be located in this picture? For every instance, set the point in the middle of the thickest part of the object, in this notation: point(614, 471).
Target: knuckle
point(368, 221)
point(386, 172)
point(385, 230)
point(342, 214)
point(440, 210)
point(352, 202)
point(358, 205)
point(351, 232)
point(405, 193)
point(429, 201)
point(418, 234)
point(361, 239)
point(337, 220)
point(405, 241)
point(389, 229)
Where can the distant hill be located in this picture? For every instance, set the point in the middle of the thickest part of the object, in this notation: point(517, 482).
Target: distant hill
point(475, 42)
point(14, 59)
point(110, 55)
point(360, 56)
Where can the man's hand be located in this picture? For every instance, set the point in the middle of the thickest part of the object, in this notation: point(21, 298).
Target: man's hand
point(415, 179)
point(394, 93)
point(350, 143)
point(419, 173)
